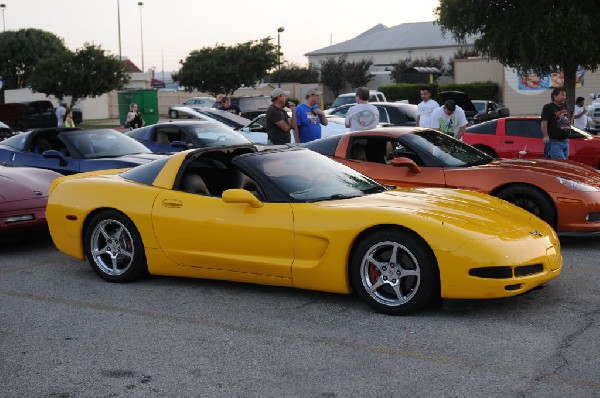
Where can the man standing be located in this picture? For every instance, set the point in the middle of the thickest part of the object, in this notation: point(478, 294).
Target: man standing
point(60, 113)
point(426, 108)
point(278, 123)
point(310, 117)
point(579, 114)
point(227, 106)
point(449, 119)
point(556, 125)
point(362, 116)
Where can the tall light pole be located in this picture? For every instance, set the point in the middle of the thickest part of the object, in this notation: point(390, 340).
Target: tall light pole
point(281, 29)
point(141, 3)
point(119, 27)
point(3, 6)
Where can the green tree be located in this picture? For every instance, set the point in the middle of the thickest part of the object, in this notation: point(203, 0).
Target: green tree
point(541, 36)
point(294, 73)
point(357, 73)
point(332, 73)
point(223, 69)
point(88, 72)
point(20, 52)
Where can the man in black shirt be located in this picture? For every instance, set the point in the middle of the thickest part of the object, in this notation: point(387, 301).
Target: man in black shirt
point(556, 125)
point(278, 122)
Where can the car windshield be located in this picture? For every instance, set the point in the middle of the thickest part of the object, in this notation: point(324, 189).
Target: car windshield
point(451, 152)
point(214, 134)
point(307, 176)
point(479, 106)
point(94, 144)
point(347, 99)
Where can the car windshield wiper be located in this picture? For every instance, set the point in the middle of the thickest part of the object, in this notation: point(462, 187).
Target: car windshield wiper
point(377, 189)
point(479, 162)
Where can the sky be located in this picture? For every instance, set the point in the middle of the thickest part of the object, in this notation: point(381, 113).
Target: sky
point(170, 30)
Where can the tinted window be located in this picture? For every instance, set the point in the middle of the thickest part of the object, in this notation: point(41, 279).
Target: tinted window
point(138, 134)
point(17, 141)
point(484, 128)
point(145, 174)
point(524, 128)
point(324, 146)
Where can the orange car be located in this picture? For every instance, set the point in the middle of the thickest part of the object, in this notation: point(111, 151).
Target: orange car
point(565, 194)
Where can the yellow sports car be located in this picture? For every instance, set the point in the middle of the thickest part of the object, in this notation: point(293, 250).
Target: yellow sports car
point(296, 218)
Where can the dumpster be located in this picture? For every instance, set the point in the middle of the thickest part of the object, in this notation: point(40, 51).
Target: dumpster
point(147, 101)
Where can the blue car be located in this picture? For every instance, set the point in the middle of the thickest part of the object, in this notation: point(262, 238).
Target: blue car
point(70, 151)
point(182, 135)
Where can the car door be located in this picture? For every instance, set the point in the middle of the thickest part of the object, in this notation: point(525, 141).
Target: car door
point(523, 138)
point(31, 156)
point(204, 231)
point(373, 164)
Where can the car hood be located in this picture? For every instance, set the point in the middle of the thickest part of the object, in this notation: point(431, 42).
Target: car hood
point(483, 214)
point(551, 168)
point(22, 183)
point(461, 100)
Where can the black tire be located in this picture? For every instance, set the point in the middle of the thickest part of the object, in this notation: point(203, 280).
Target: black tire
point(394, 286)
point(173, 114)
point(487, 150)
point(531, 199)
point(114, 248)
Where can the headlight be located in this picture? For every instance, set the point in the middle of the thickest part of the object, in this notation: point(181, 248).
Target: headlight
point(576, 185)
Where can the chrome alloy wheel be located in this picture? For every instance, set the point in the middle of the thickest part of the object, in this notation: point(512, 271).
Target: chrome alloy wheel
point(390, 273)
point(112, 247)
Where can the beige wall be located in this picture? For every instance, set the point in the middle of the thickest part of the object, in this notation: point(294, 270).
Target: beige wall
point(520, 102)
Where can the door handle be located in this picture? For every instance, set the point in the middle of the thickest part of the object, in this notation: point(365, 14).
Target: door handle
point(509, 142)
point(172, 203)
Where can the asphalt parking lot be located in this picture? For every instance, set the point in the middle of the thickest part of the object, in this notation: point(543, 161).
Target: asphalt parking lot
point(66, 333)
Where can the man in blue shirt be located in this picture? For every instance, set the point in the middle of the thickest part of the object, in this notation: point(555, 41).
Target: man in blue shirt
point(310, 117)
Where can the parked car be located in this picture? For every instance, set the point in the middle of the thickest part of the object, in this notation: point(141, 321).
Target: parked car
point(5, 131)
point(205, 102)
point(23, 197)
point(182, 135)
point(252, 105)
point(390, 113)
point(350, 98)
point(489, 110)
point(69, 151)
point(295, 218)
point(256, 130)
point(26, 115)
point(565, 194)
point(593, 118)
point(212, 114)
point(521, 137)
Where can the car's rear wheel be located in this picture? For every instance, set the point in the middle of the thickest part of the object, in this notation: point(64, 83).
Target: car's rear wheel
point(531, 199)
point(173, 114)
point(394, 272)
point(113, 247)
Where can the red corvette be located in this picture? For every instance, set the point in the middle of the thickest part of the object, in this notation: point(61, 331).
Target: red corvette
point(23, 197)
point(521, 137)
point(565, 194)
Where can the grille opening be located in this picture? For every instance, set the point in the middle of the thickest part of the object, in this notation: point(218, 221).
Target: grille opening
point(492, 272)
point(529, 269)
point(593, 217)
point(513, 287)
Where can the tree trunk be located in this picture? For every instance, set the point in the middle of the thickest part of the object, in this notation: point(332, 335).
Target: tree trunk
point(569, 72)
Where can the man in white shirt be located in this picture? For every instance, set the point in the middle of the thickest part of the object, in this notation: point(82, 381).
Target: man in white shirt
point(60, 113)
point(579, 114)
point(362, 116)
point(449, 119)
point(426, 108)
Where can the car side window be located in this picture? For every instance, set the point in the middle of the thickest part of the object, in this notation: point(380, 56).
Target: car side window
point(524, 128)
point(383, 115)
point(487, 128)
point(397, 117)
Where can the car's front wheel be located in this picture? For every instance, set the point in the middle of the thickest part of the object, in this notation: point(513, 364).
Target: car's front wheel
point(113, 247)
point(394, 272)
point(173, 114)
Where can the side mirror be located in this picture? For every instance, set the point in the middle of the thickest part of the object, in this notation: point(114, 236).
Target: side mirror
point(54, 154)
point(406, 162)
point(241, 196)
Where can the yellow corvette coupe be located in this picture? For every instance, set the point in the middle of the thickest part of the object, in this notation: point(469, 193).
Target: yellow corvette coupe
point(296, 218)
